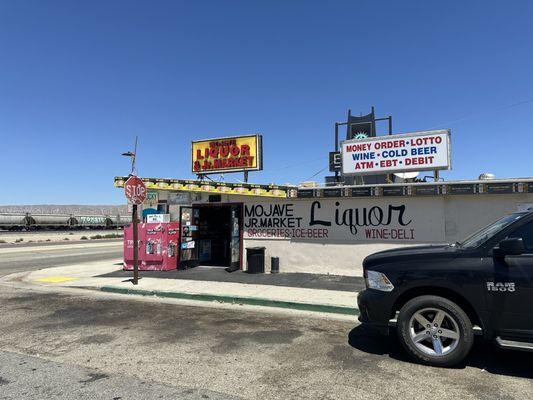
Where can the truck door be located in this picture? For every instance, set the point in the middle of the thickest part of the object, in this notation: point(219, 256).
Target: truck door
point(189, 221)
point(512, 289)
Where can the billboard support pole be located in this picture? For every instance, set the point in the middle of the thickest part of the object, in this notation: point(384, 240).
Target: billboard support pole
point(436, 175)
point(389, 176)
point(245, 176)
point(336, 147)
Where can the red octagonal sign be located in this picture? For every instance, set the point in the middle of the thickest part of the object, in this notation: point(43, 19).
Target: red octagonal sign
point(135, 190)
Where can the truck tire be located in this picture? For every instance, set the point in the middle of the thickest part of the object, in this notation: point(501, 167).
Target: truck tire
point(435, 331)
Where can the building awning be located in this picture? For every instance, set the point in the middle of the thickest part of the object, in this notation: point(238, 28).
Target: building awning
point(474, 187)
point(207, 186)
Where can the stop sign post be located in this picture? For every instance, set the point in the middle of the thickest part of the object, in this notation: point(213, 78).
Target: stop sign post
point(135, 191)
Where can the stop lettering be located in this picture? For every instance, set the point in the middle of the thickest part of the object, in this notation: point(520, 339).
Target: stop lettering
point(135, 190)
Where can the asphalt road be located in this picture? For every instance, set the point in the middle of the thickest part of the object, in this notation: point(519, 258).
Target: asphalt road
point(26, 377)
point(83, 344)
point(229, 352)
point(30, 257)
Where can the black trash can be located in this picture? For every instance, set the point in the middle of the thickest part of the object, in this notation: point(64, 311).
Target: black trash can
point(274, 265)
point(255, 260)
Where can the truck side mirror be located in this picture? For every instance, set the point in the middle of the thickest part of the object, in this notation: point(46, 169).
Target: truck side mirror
point(510, 247)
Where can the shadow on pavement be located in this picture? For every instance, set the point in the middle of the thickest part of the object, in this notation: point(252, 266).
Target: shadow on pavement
point(220, 274)
point(484, 355)
point(369, 340)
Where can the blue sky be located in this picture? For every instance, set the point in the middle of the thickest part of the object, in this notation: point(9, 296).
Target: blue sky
point(78, 80)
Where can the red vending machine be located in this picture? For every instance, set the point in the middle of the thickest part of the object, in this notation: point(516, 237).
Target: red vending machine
point(152, 258)
point(158, 246)
point(171, 239)
point(128, 247)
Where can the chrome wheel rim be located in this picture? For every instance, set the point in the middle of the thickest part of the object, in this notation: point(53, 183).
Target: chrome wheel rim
point(434, 332)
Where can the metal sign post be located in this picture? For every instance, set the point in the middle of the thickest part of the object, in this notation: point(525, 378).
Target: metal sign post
point(367, 123)
point(135, 191)
point(135, 246)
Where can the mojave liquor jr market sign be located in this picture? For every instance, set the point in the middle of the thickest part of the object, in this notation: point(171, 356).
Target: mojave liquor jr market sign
point(418, 151)
point(227, 154)
point(346, 220)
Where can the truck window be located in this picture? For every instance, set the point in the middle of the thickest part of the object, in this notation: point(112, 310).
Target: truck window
point(526, 233)
point(489, 231)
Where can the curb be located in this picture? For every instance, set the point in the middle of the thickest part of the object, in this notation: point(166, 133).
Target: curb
point(251, 301)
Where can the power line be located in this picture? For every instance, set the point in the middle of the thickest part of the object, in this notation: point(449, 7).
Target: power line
point(322, 170)
point(478, 113)
point(294, 165)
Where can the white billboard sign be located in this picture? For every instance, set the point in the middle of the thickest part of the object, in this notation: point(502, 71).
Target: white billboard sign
point(418, 151)
point(413, 220)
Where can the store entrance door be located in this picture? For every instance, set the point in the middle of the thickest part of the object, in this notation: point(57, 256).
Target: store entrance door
point(219, 235)
point(189, 219)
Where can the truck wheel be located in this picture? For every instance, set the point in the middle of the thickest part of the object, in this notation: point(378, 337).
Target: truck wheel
point(435, 331)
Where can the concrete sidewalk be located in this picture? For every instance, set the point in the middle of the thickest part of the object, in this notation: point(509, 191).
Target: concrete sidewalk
point(220, 274)
point(107, 276)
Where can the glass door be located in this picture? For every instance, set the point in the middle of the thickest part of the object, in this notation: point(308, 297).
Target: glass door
point(189, 219)
point(235, 240)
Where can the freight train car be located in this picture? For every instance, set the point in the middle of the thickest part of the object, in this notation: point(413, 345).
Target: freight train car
point(120, 221)
point(27, 221)
point(93, 222)
point(15, 222)
point(52, 221)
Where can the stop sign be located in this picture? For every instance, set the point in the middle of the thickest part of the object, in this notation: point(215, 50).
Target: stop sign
point(135, 190)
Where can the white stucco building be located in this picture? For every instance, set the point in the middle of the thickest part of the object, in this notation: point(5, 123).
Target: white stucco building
point(329, 229)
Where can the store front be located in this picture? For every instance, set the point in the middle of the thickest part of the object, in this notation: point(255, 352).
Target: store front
point(211, 235)
point(327, 229)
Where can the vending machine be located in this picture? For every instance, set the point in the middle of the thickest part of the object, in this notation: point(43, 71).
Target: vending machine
point(158, 245)
point(171, 246)
point(152, 247)
point(128, 247)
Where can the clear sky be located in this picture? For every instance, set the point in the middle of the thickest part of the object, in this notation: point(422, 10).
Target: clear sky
point(79, 79)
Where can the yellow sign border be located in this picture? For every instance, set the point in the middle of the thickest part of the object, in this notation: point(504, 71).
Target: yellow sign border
point(256, 151)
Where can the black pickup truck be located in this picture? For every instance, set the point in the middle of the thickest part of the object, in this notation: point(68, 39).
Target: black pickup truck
point(439, 297)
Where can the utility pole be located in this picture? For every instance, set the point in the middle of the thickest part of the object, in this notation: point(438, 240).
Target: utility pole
point(135, 192)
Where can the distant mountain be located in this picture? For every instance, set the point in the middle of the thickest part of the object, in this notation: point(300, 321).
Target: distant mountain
point(68, 209)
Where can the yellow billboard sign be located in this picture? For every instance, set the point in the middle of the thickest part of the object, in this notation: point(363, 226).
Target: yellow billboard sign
point(228, 154)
